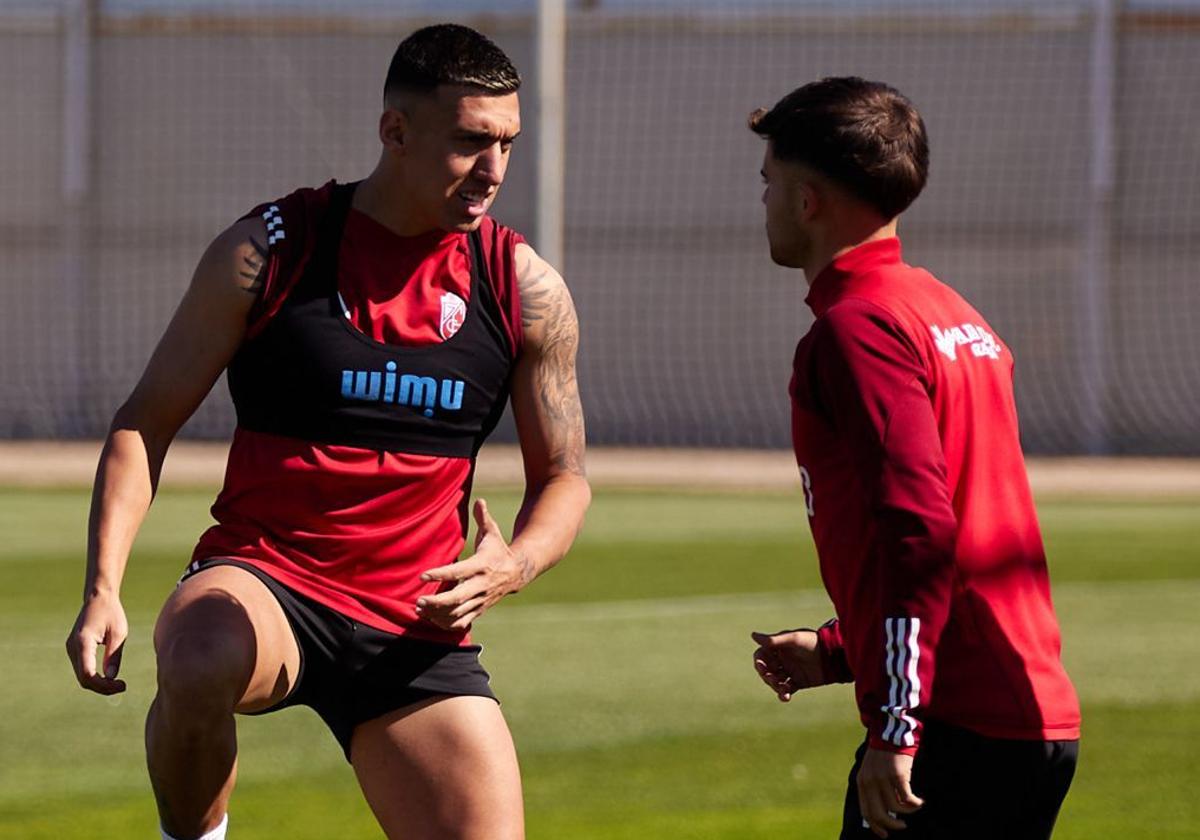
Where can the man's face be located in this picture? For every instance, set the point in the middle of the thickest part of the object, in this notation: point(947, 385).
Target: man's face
point(784, 198)
point(456, 148)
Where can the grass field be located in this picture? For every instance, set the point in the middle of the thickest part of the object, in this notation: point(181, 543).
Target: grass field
point(625, 675)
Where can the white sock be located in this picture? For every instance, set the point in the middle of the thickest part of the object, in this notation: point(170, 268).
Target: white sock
point(217, 833)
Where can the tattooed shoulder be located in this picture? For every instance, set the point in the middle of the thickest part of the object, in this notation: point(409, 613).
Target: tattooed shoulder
point(252, 263)
point(545, 301)
point(533, 283)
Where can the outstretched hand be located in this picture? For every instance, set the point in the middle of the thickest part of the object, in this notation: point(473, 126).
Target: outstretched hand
point(481, 580)
point(788, 661)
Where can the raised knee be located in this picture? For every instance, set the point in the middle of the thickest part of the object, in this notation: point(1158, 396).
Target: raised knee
point(203, 670)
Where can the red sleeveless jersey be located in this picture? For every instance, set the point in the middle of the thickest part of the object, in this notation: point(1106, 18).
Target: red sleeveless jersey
point(349, 527)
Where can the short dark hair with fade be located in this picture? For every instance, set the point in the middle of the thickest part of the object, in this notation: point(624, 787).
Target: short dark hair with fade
point(449, 54)
point(865, 136)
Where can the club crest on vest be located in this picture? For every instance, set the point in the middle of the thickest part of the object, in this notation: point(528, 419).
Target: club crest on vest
point(454, 312)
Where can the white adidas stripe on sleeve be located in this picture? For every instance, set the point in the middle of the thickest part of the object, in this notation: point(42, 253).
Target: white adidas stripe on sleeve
point(902, 654)
point(274, 220)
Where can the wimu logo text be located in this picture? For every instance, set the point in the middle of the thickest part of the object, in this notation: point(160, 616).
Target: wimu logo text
point(420, 392)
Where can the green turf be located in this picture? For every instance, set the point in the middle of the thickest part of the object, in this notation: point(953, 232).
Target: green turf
point(625, 676)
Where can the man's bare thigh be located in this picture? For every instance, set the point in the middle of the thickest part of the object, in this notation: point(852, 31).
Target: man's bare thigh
point(444, 769)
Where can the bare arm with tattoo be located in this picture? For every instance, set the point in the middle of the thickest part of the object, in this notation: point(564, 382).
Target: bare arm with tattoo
point(545, 400)
point(203, 336)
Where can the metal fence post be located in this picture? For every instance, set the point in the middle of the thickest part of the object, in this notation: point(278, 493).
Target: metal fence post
point(75, 187)
point(551, 133)
point(1096, 270)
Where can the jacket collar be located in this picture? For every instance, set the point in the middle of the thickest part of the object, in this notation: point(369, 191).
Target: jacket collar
point(830, 283)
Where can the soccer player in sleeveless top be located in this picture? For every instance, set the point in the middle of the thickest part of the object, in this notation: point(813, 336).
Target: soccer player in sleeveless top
point(905, 432)
point(373, 333)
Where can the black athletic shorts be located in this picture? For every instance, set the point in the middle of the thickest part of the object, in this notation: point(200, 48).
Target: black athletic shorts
point(976, 788)
point(351, 673)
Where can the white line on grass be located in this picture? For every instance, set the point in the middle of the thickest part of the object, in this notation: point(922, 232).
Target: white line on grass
point(806, 600)
point(801, 599)
point(633, 610)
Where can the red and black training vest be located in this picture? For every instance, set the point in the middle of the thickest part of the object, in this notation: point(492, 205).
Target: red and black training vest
point(311, 374)
point(351, 468)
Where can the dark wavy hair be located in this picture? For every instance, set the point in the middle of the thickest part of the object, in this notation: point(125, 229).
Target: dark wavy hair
point(449, 54)
point(865, 136)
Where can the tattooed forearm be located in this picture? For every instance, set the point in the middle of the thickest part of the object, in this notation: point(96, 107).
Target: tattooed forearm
point(567, 444)
point(252, 271)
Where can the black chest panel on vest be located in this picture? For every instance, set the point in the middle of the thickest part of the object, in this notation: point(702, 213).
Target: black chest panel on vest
point(311, 375)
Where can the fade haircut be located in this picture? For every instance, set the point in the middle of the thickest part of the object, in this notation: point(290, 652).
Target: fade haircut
point(864, 136)
point(449, 54)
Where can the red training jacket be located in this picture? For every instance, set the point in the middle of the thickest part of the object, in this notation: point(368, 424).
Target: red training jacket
point(905, 431)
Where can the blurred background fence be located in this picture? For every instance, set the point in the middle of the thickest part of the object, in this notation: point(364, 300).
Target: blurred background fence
point(1064, 199)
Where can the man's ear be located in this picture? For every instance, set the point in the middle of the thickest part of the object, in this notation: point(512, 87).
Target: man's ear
point(809, 200)
point(394, 130)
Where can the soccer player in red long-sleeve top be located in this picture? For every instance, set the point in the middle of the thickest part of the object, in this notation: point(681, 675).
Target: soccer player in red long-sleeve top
point(905, 432)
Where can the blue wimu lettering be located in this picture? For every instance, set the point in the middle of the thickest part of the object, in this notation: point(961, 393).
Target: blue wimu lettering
point(355, 387)
point(389, 382)
point(452, 394)
point(417, 391)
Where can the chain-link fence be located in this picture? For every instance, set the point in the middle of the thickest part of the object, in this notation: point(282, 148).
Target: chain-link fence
point(1063, 201)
